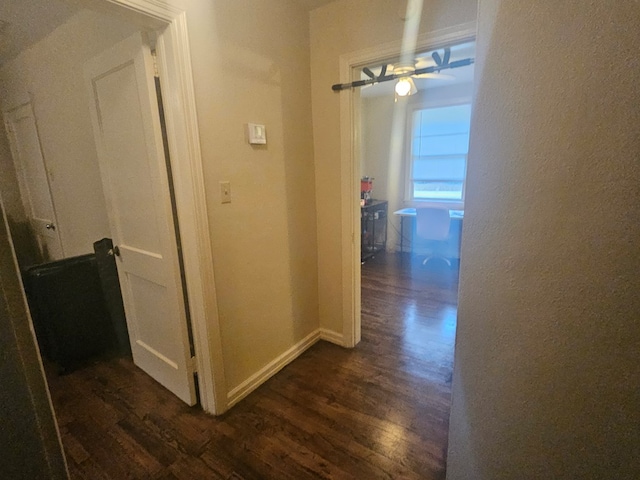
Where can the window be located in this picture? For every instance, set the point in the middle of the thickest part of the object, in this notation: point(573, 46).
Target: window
point(439, 146)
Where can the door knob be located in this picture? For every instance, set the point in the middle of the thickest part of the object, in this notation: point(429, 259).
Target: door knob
point(50, 226)
point(114, 251)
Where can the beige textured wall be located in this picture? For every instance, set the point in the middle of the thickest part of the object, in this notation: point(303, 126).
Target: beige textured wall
point(338, 28)
point(376, 121)
point(383, 130)
point(50, 72)
point(546, 368)
point(251, 64)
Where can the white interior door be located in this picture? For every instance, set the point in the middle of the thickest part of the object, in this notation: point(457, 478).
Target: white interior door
point(33, 179)
point(134, 175)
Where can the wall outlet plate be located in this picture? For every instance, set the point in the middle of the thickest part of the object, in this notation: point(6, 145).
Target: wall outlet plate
point(257, 134)
point(225, 192)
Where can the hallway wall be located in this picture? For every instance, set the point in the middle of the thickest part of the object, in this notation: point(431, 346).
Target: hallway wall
point(29, 441)
point(546, 365)
point(251, 65)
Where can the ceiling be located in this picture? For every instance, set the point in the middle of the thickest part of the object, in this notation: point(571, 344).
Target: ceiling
point(25, 22)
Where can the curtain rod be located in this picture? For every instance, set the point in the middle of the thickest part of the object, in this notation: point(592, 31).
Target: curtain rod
point(386, 78)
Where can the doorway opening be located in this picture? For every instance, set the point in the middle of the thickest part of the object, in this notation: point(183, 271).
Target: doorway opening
point(352, 67)
point(130, 201)
point(413, 160)
point(408, 157)
point(413, 155)
point(182, 141)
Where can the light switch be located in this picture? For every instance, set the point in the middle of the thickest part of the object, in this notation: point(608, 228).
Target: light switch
point(257, 134)
point(225, 192)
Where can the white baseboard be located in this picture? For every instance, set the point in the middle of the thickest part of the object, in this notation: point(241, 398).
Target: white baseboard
point(273, 367)
point(332, 336)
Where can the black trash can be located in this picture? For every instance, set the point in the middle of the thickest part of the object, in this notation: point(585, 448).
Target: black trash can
point(69, 313)
point(108, 272)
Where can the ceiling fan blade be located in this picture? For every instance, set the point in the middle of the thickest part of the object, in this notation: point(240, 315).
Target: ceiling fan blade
point(368, 72)
point(447, 56)
point(383, 72)
point(437, 58)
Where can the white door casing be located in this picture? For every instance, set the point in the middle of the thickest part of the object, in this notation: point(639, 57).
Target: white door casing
point(33, 179)
point(168, 19)
point(134, 176)
point(350, 64)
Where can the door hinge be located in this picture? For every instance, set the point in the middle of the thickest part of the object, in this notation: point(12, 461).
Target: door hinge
point(194, 365)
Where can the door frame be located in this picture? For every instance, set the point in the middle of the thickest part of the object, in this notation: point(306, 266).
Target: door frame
point(24, 186)
point(169, 22)
point(350, 161)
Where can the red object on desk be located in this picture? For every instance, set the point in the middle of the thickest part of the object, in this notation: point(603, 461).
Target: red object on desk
point(366, 185)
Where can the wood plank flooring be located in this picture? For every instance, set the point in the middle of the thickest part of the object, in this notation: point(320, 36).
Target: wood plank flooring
point(378, 411)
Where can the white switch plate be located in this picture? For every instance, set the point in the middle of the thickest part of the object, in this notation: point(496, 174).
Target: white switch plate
point(225, 192)
point(257, 134)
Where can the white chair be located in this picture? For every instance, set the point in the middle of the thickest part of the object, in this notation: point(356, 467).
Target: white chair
point(432, 226)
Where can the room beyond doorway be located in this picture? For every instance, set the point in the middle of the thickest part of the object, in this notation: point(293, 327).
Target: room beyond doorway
point(352, 156)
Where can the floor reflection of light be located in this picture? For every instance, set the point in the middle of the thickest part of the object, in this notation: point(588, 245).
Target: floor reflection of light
point(410, 313)
point(449, 322)
point(430, 335)
point(422, 327)
point(393, 439)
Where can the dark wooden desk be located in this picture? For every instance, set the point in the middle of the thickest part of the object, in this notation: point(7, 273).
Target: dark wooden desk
point(373, 228)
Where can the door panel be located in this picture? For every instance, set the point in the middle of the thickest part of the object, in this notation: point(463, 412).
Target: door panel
point(133, 169)
point(33, 179)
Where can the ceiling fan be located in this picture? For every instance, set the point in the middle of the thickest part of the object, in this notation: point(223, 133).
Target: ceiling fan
point(422, 67)
point(444, 62)
point(418, 64)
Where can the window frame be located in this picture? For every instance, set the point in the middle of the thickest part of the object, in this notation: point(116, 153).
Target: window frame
point(409, 200)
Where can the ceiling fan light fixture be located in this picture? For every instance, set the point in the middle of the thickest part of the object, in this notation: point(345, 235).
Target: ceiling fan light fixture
point(405, 87)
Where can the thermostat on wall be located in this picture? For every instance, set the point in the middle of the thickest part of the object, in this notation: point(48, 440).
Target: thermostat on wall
point(257, 134)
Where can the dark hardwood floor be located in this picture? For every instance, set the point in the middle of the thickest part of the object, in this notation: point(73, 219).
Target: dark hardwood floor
point(380, 410)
